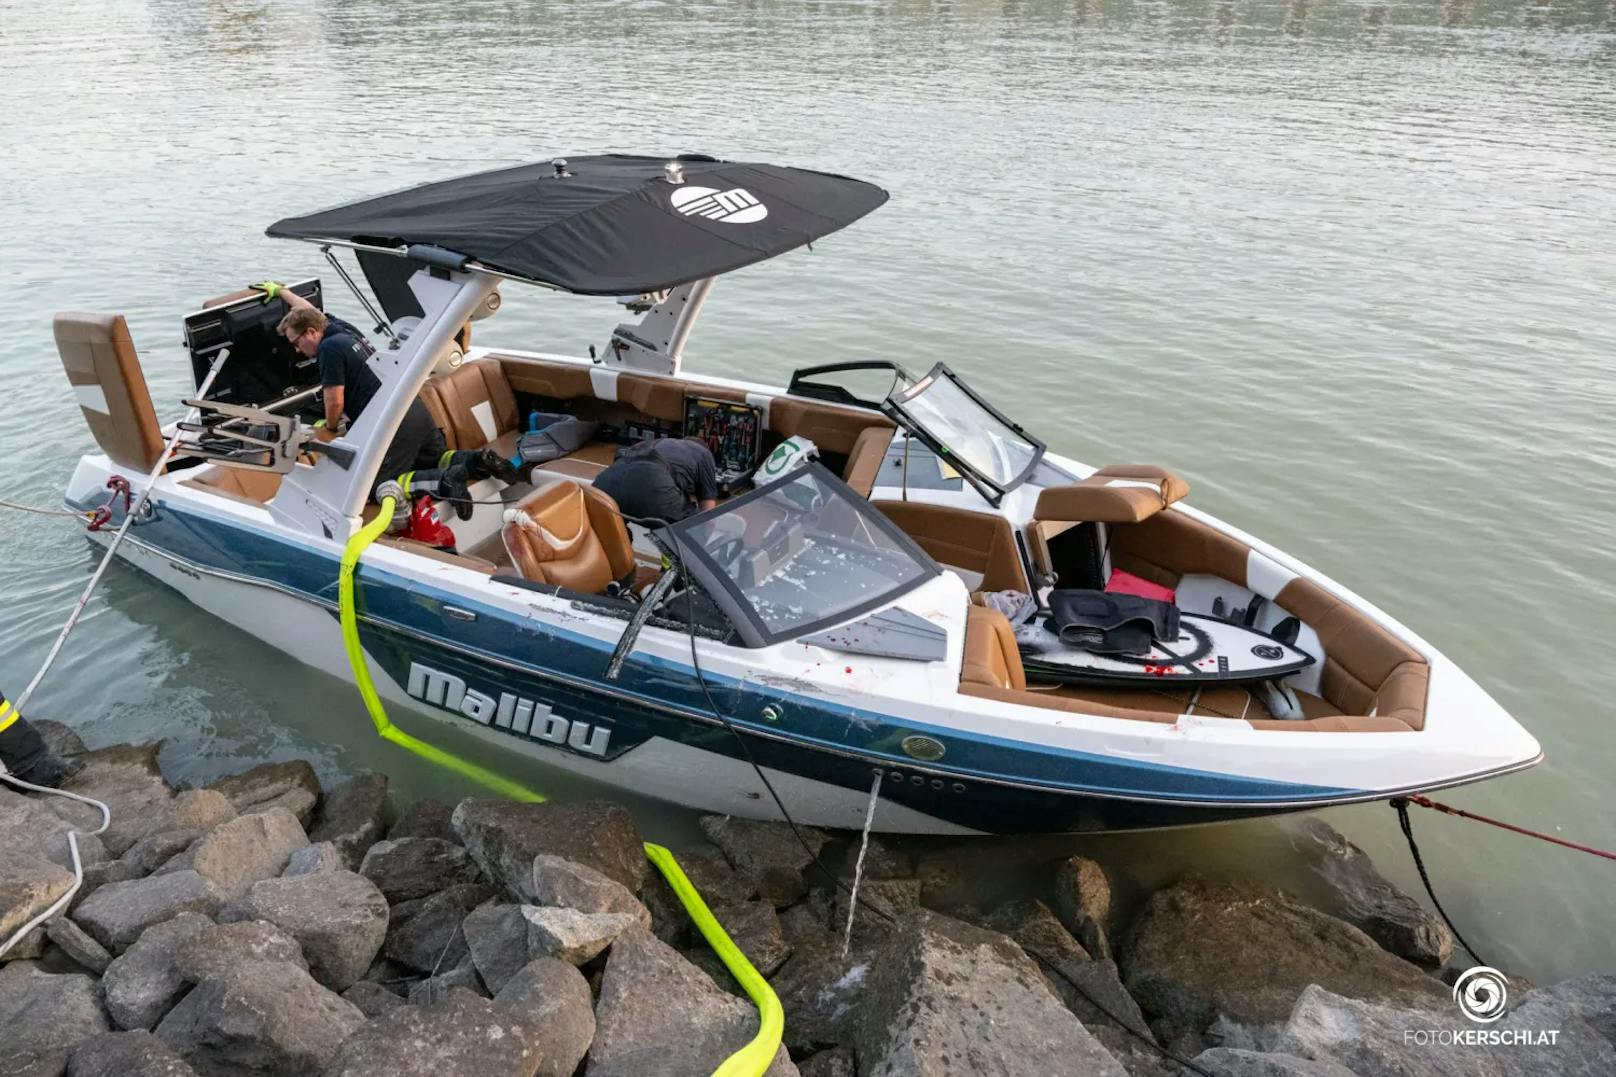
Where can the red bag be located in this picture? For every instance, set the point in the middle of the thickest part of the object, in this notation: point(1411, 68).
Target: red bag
point(424, 526)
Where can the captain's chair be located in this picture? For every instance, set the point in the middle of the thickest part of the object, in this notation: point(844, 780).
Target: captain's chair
point(570, 535)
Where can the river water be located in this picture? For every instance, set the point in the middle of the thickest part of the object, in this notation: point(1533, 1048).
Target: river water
point(1345, 266)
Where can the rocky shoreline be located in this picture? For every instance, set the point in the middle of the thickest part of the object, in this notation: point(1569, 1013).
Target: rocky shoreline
point(264, 925)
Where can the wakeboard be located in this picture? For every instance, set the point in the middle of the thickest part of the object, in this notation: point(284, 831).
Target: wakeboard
point(1208, 649)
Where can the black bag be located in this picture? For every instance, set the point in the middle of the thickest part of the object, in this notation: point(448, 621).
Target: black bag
point(1111, 624)
point(554, 440)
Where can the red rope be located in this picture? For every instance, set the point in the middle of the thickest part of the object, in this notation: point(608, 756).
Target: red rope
point(1448, 809)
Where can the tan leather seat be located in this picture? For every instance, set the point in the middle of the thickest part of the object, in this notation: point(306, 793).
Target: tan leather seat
point(99, 357)
point(1120, 494)
point(864, 462)
point(991, 658)
point(570, 535)
point(982, 542)
point(474, 407)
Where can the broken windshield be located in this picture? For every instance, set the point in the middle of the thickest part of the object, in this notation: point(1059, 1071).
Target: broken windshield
point(994, 453)
point(798, 555)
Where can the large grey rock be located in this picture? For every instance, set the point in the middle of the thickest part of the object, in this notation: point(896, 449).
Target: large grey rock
point(142, 984)
point(264, 1017)
point(768, 855)
point(496, 935)
point(29, 828)
point(28, 886)
point(460, 1034)
point(1366, 898)
point(436, 988)
point(1083, 902)
point(291, 785)
point(1237, 1062)
point(117, 913)
point(754, 926)
point(59, 738)
point(573, 936)
point(126, 778)
point(1201, 948)
point(42, 1017)
point(372, 999)
point(351, 816)
point(190, 815)
point(571, 885)
point(553, 998)
point(77, 944)
point(820, 991)
point(339, 919)
point(218, 948)
point(880, 901)
point(426, 818)
point(660, 1014)
point(1592, 998)
point(834, 1062)
point(504, 837)
point(247, 849)
point(412, 868)
point(314, 859)
point(126, 1054)
point(1377, 1040)
point(945, 995)
point(430, 940)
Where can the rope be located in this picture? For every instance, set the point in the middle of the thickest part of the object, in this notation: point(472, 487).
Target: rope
point(73, 847)
point(1401, 804)
point(1448, 809)
point(44, 512)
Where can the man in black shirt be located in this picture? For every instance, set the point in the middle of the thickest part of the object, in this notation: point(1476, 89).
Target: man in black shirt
point(664, 479)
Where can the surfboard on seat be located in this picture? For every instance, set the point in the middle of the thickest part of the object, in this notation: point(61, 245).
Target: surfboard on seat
point(1208, 649)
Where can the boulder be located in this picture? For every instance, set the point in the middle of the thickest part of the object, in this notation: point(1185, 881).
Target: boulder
point(28, 886)
point(126, 1054)
point(459, 1034)
point(430, 940)
point(754, 926)
point(1237, 1062)
point(352, 815)
point(660, 1014)
point(29, 828)
point(573, 936)
point(553, 998)
point(124, 777)
point(339, 919)
point(821, 991)
point(1591, 998)
point(496, 935)
point(263, 1017)
point(218, 948)
point(412, 868)
point(504, 836)
point(835, 1062)
point(60, 739)
point(291, 785)
point(768, 856)
point(190, 815)
point(77, 944)
point(462, 977)
point(881, 901)
point(1083, 902)
point(426, 818)
point(142, 984)
point(946, 995)
point(372, 999)
point(1368, 900)
point(247, 849)
point(98, 875)
point(571, 885)
point(1202, 948)
point(43, 1016)
point(31, 947)
point(315, 859)
point(117, 913)
point(1091, 989)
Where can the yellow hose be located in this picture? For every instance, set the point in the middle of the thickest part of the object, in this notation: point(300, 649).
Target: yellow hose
point(751, 1060)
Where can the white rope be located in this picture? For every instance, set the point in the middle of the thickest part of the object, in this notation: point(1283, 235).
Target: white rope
point(858, 865)
point(42, 512)
point(73, 846)
point(22, 701)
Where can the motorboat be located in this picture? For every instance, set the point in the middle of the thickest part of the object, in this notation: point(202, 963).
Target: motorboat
point(866, 611)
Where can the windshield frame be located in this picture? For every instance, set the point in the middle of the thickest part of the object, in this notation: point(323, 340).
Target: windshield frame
point(749, 624)
point(990, 488)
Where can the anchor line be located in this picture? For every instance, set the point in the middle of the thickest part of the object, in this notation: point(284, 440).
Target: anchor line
point(1403, 821)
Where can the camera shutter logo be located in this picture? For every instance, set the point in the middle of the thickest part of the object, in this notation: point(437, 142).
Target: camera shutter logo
point(1482, 994)
point(734, 206)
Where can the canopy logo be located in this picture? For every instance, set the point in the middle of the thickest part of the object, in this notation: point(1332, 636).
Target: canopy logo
point(515, 714)
point(734, 206)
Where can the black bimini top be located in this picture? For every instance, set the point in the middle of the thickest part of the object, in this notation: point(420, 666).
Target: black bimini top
point(608, 225)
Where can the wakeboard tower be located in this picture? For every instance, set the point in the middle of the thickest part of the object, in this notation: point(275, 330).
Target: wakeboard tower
point(827, 624)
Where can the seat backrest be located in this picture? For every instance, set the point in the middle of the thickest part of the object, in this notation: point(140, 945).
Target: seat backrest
point(991, 657)
point(473, 404)
point(982, 542)
point(864, 462)
point(99, 357)
point(570, 535)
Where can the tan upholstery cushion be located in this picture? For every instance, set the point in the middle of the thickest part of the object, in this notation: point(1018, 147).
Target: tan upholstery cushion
point(572, 537)
point(864, 462)
point(977, 541)
point(99, 357)
point(553, 380)
point(1169, 545)
point(472, 404)
point(990, 656)
point(1123, 493)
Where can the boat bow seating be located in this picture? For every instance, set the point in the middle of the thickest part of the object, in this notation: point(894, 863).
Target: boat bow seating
point(569, 534)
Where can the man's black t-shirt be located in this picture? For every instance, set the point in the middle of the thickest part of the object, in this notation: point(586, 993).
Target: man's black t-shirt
point(691, 463)
point(342, 355)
